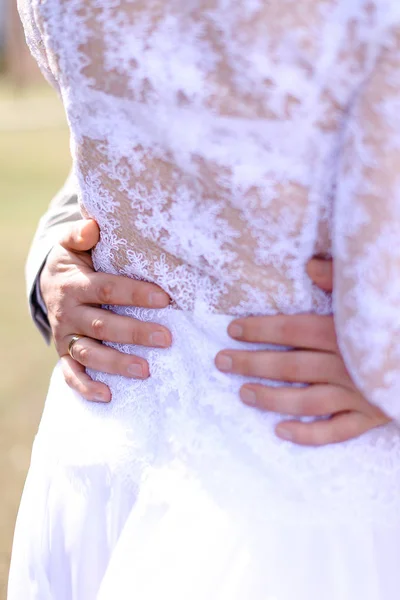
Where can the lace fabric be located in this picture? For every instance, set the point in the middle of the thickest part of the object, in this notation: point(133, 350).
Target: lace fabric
point(207, 139)
point(219, 144)
point(367, 233)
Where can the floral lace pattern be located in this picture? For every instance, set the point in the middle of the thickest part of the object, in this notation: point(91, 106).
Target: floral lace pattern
point(206, 138)
point(205, 135)
point(367, 233)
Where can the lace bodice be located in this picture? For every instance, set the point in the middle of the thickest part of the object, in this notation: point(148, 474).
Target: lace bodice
point(221, 143)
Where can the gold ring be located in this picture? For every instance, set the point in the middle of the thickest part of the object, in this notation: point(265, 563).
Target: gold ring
point(74, 339)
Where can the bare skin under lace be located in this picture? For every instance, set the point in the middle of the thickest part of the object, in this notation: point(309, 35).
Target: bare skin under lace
point(220, 144)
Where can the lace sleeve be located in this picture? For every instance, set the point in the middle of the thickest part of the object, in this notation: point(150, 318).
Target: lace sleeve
point(367, 235)
point(34, 35)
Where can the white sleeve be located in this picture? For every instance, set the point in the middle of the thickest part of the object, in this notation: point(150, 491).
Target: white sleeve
point(367, 235)
point(34, 36)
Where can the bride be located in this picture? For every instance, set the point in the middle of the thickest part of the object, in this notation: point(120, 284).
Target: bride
point(219, 144)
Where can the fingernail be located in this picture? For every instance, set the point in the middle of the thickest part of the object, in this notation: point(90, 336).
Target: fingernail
point(135, 370)
point(158, 300)
point(158, 339)
point(224, 362)
point(100, 398)
point(284, 433)
point(236, 331)
point(248, 396)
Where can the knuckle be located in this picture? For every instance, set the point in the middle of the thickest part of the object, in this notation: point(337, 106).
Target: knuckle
point(135, 334)
point(59, 304)
point(105, 292)
point(59, 314)
point(83, 354)
point(98, 328)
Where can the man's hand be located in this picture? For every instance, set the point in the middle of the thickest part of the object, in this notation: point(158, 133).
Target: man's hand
point(315, 360)
point(73, 293)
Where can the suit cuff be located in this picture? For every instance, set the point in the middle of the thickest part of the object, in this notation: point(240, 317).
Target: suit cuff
point(38, 295)
point(38, 308)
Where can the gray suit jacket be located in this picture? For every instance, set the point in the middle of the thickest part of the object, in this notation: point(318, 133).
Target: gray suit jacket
point(64, 209)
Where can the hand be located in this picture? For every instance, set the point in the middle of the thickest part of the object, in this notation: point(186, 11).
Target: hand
point(315, 360)
point(73, 293)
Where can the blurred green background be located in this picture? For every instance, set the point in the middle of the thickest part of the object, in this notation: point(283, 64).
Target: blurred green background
point(34, 161)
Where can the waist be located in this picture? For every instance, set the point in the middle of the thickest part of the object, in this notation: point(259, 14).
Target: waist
point(185, 382)
point(189, 413)
point(197, 336)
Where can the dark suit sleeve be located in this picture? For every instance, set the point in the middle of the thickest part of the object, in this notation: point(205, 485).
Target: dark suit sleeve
point(63, 210)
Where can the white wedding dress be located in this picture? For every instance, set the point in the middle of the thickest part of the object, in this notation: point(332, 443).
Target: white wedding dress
point(219, 144)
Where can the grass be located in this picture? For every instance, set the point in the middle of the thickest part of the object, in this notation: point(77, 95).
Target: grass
point(34, 161)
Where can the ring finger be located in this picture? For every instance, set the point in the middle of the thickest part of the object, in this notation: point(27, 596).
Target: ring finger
point(95, 355)
point(104, 325)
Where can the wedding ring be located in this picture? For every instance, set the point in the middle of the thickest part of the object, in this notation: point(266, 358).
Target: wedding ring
point(74, 339)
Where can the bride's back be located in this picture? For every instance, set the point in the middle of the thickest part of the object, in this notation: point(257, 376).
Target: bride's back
point(205, 135)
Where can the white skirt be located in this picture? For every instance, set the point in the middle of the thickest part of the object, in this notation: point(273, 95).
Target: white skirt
point(178, 491)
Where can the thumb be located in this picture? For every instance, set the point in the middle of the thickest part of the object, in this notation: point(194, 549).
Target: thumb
point(81, 236)
point(320, 270)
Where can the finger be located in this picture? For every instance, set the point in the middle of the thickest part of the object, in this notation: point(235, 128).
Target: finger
point(311, 401)
point(339, 428)
point(321, 272)
point(105, 325)
point(298, 331)
point(299, 366)
point(81, 236)
point(77, 379)
point(94, 355)
point(102, 288)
